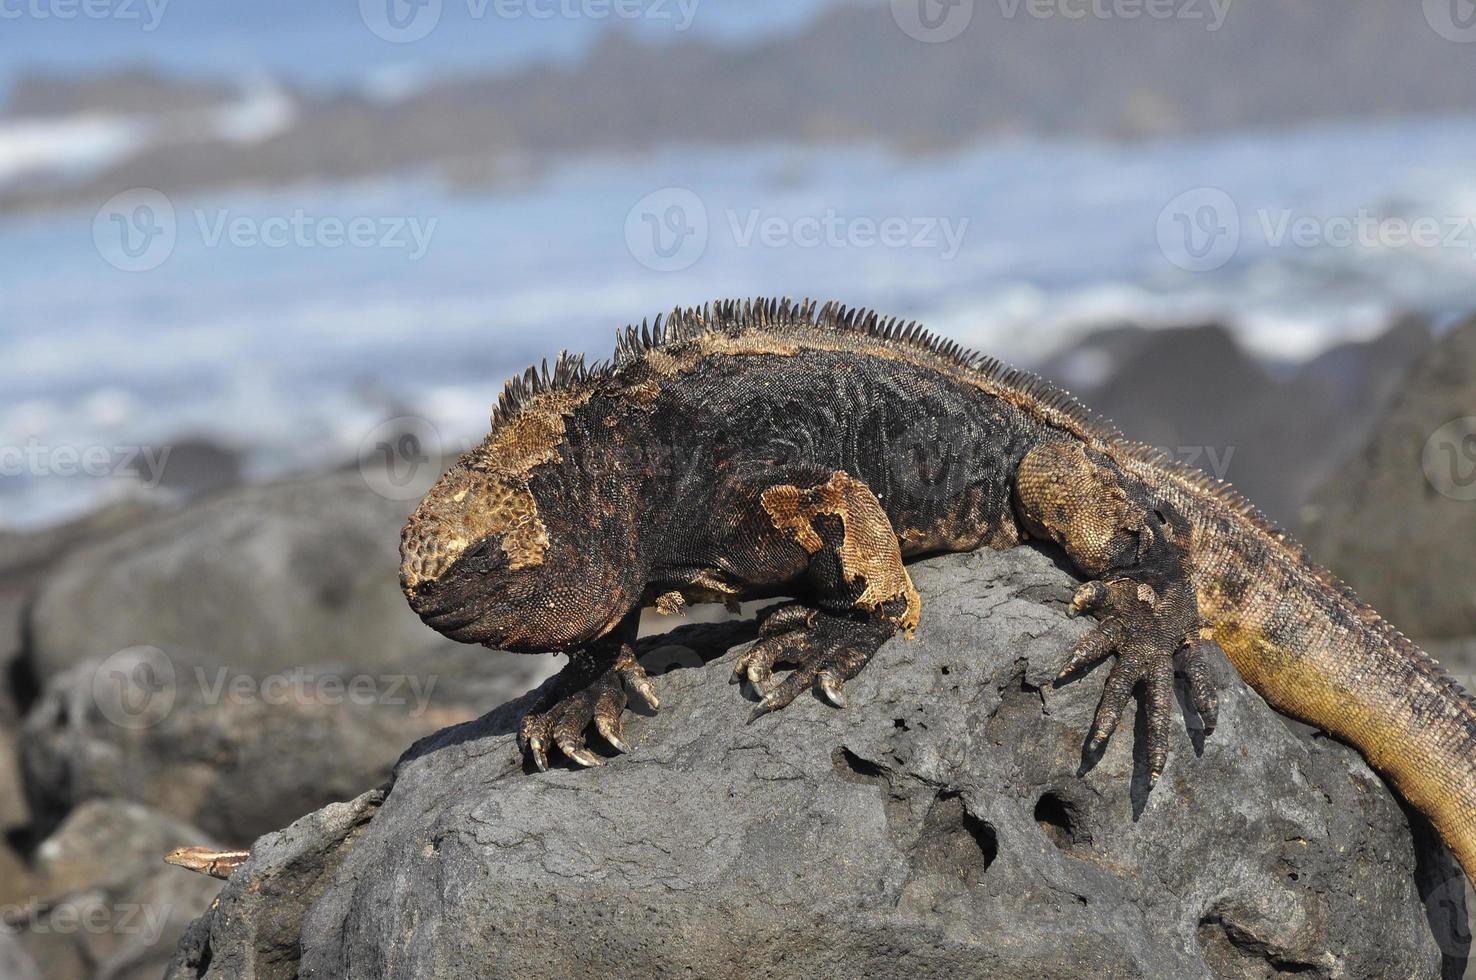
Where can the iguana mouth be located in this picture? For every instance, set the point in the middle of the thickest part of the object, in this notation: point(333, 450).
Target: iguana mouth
point(441, 612)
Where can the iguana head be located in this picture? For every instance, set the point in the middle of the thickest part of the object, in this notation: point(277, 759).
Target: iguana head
point(522, 544)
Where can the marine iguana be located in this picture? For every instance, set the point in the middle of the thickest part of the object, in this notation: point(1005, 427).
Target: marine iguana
point(767, 448)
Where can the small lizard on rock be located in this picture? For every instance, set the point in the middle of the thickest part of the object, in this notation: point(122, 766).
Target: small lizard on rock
point(765, 448)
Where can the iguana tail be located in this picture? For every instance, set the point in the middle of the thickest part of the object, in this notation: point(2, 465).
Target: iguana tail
point(1322, 656)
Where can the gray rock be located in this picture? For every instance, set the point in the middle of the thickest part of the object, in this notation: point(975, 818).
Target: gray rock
point(1275, 431)
point(242, 660)
point(253, 930)
point(105, 905)
point(231, 754)
point(1395, 520)
point(15, 962)
point(946, 824)
point(263, 578)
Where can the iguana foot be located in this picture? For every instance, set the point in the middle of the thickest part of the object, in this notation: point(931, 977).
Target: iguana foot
point(1146, 629)
point(825, 650)
point(589, 691)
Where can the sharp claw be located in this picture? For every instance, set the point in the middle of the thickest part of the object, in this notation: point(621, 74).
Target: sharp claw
point(539, 753)
point(645, 689)
point(611, 734)
point(762, 708)
point(831, 687)
point(586, 758)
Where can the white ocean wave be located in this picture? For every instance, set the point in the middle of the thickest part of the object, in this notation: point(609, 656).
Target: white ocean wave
point(70, 146)
point(296, 353)
point(264, 109)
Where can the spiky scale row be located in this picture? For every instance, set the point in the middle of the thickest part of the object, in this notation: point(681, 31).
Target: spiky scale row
point(736, 317)
point(568, 373)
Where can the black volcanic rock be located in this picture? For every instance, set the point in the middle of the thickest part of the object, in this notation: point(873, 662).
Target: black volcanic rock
point(1398, 519)
point(1273, 431)
point(945, 825)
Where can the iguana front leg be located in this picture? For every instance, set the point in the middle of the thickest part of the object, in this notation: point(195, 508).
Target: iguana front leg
point(589, 691)
point(837, 534)
point(1138, 549)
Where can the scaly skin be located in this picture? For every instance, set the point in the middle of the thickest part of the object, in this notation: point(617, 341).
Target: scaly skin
point(763, 449)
